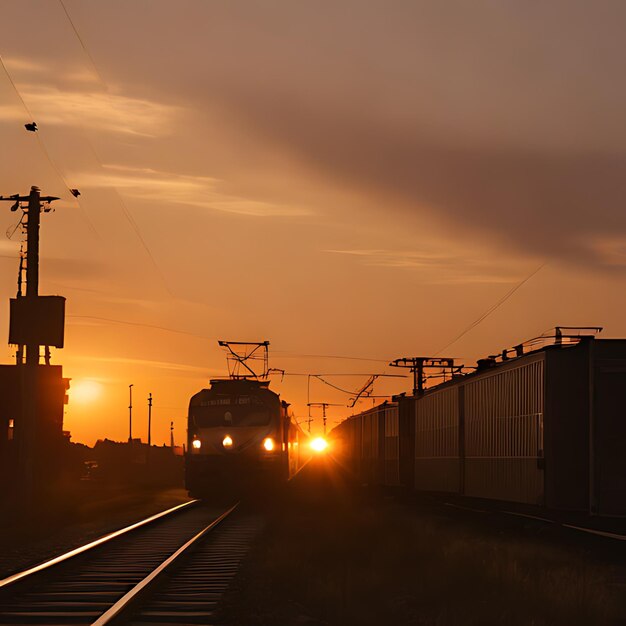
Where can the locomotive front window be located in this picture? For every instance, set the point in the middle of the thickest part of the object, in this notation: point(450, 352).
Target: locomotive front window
point(230, 415)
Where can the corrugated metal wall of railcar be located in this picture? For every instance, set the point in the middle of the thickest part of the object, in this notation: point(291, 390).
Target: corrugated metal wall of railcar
point(504, 417)
point(346, 447)
point(391, 449)
point(437, 461)
point(370, 447)
point(406, 441)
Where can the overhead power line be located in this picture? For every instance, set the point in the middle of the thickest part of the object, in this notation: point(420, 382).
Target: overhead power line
point(111, 320)
point(291, 355)
point(82, 43)
point(141, 324)
point(129, 217)
point(44, 149)
point(492, 308)
point(59, 173)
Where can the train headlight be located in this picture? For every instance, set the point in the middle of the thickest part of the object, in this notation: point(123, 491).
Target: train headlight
point(197, 444)
point(227, 442)
point(319, 444)
point(268, 444)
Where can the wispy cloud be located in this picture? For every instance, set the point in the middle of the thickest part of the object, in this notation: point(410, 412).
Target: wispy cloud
point(93, 109)
point(23, 64)
point(444, 268)
point(11, 247)
point(162, 365)
point(610, 250)
point(175, 188)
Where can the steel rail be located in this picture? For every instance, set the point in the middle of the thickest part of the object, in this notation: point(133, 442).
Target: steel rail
point(584, 529)
point(89, 546)
point(126, 600)
point(297, 472)
point(599, 533)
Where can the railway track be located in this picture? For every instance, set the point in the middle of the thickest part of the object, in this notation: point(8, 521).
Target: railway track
point(171, 568)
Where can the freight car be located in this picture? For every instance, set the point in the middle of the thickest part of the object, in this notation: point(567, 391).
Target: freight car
point(241, 436)
point(545, 428)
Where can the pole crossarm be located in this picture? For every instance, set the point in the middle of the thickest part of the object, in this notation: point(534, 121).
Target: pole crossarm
point(324, 405)
point(426, 361)
point(418, 364)
point(18, 198)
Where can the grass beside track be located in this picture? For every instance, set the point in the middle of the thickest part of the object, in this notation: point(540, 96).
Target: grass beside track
point(334, 556)
point(29, 538)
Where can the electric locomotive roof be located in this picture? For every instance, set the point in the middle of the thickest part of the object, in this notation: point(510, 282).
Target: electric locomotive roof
point(236, 388)
point(239, 382)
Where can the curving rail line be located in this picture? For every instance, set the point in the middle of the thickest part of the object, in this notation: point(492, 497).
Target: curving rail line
point(113, 579)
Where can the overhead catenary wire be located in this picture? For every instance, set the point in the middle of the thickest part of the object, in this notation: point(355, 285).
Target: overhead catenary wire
point(492, 308)
point(350, 374)
point(333, 386)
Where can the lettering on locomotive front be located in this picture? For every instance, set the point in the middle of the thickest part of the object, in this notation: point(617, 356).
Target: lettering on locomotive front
point(234, 411)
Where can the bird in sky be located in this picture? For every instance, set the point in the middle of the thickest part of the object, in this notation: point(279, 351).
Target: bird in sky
point(75, 192)
point(31, 126)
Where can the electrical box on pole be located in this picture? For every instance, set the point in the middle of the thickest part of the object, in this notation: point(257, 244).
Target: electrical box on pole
point(37, 320)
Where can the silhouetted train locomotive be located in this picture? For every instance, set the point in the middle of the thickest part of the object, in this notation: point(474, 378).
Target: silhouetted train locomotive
point(546, 427)
point(241, 435)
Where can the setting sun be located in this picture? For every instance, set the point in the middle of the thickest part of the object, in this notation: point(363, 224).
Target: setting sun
point(319, 444)
point(85, 391)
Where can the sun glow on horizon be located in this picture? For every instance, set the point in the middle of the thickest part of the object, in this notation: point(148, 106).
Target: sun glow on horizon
point(85, 391)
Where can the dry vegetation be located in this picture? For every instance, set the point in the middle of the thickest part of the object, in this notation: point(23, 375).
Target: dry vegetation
point(333, 557)
point(82, 515)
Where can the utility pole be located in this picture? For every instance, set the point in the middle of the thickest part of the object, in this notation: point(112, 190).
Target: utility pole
point(29, 388)
point(31, 326)
point(308, 421)
point(172, 435)
point(323, 405)
point(30, 394)
point(149, 421)
point(130, 413)
point(32, 261)
point(19, 355)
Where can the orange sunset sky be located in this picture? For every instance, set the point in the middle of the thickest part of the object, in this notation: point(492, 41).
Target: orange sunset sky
point(352, 178)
